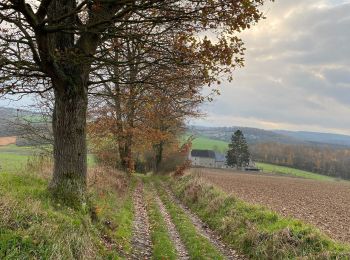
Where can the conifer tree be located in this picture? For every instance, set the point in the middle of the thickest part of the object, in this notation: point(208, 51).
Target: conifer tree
point(238, 153)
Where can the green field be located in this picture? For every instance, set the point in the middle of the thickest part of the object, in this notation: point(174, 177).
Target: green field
point(14, 158)
point(202, 142)
point(217, 145)
point(270, 168)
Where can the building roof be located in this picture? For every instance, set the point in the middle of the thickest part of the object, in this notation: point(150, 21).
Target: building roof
point(203, 153)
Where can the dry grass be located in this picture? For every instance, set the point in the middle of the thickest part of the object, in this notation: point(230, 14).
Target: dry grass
point(100, 177)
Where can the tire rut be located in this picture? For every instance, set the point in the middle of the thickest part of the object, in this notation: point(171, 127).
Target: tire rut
point(174, 235)
point(205, 231)
point(141, 239)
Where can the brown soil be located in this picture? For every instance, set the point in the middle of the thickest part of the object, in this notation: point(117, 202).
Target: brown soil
point(7, 140)
point(326, 205)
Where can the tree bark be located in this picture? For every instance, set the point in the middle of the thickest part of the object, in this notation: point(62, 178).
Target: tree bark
point(70, 150)
point(125, 153)
point(159, 155)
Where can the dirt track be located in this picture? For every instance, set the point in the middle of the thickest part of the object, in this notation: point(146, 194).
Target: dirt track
point(323, 204)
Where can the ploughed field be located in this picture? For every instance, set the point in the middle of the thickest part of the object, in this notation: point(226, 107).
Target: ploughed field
point(7, 140)
point(324, 204)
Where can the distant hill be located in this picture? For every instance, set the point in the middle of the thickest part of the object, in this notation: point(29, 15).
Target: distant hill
point(255, 135)
point(7, 115)
point(11, 120)
point(326, 138)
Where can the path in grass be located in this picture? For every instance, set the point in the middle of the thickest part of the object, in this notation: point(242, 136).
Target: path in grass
point(165, 229)
point(204, 230)
point(141, 239)
point(174, 234)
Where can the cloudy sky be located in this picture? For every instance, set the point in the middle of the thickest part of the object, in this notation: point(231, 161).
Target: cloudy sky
point(297, 73)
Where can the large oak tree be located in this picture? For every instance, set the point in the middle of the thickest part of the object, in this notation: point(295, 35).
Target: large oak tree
point(53, 45)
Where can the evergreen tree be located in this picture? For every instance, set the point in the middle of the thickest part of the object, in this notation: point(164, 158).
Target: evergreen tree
point(238, 153)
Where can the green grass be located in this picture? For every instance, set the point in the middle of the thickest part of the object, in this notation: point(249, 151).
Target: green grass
point(201, 142)
point(163, 247)
point(91, 161)
point(13, 158)
point(20, 150)
point(11, 162)
point(116, 213)
point(33, 226)
point(255, 231)
point(197, 246)
point(270, 168)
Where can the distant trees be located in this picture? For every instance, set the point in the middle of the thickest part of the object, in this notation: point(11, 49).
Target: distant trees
point(238, 153)
point(322, 159)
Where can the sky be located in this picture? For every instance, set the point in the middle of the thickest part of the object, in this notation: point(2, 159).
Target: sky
point(297, 71)
point(296, 75)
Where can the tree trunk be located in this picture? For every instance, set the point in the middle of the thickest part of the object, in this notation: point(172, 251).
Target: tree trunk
point(70, 151)
point(125, 153)
point(159, 155)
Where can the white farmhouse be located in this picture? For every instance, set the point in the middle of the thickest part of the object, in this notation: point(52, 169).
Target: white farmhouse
point(207, 158)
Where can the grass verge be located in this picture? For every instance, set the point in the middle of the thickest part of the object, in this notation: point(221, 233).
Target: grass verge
point(163, 247)
point(255, 231)
point(198, 246)
point(32, 226)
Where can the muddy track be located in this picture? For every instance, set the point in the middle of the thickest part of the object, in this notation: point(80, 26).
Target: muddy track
point(174, 235)
point(205, 231)
point(141, 239)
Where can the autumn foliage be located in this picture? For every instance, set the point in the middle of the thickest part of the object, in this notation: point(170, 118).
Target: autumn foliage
point(126, 59)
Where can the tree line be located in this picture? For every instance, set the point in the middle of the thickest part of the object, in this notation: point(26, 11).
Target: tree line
point(323, 159)
point(139, 65)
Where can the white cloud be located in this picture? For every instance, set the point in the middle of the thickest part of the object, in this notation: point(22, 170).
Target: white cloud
point(297, 73)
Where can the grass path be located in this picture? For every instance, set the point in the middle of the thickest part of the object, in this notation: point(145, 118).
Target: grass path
point(164, 229)
point(180, 248)
point(199, 240)
point(202, 228)
point(166, 241)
